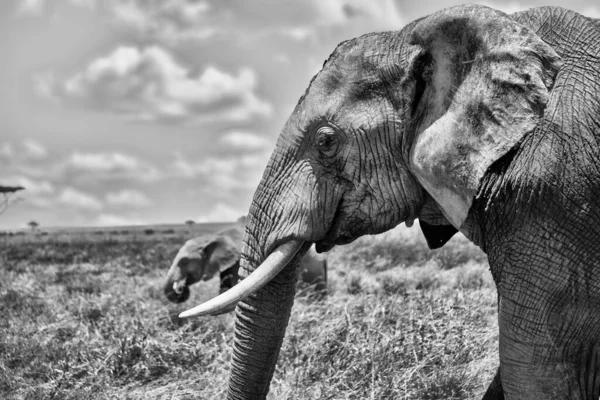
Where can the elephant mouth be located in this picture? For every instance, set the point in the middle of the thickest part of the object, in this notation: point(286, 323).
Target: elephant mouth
point(330, 241)
point(177, 291)
point(175, 297)
point(335, 235)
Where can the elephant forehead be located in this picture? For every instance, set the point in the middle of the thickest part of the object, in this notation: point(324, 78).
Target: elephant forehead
point(345, 98)
point(192, 247)
point(359, 78)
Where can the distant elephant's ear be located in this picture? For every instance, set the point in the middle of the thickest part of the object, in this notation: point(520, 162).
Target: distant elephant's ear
point(484, 83)
point(221, 254)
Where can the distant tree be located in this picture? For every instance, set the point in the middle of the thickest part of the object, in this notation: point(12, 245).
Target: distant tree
point(7, 196)
point(33, 225)
point(190, 222)
point(242, 219)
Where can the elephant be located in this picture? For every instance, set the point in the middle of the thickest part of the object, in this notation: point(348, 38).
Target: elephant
point(472, 121)
point(206, 256)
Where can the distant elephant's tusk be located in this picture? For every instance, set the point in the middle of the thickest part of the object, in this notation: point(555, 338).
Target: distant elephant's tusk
point(276, 261)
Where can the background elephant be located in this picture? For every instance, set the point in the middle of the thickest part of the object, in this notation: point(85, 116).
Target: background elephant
point(471, 121)
point(218, 254)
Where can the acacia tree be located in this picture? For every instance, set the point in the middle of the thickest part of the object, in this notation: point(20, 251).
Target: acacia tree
point(7, 196)
point(33, 225)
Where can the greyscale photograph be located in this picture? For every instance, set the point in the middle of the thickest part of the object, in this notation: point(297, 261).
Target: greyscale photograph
point(299, 200)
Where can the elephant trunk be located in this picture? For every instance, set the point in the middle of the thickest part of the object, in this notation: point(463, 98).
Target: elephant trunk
point(175, 287)
point(261, 318)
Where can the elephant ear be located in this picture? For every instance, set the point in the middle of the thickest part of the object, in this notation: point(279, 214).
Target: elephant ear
point(221, 254)
point(483, 82)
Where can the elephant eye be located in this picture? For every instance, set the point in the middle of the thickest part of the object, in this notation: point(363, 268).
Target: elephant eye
point(184, 262)
point(326, 140)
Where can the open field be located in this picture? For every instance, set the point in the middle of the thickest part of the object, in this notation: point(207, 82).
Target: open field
point(84, 317)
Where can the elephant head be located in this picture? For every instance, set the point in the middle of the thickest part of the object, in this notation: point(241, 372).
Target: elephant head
point(207, 256)
point(203, 258)
point(396, 126)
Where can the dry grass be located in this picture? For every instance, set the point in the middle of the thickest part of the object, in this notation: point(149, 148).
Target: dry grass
point(399, 322)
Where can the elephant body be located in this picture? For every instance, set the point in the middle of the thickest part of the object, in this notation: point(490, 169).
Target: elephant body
point(470, 120)
point(218, 254)
point(539, 213)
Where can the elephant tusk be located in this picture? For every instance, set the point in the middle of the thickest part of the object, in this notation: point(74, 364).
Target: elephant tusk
point(276, 261)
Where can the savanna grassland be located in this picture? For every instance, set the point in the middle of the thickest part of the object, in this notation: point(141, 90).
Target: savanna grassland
point(83, 316)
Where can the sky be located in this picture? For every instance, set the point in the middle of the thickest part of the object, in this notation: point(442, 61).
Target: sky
point(124, 112)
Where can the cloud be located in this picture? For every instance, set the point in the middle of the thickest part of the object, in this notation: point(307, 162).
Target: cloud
point(30, 7)
point(168, 20)
point(245, 140)
point(91, 4)
point(175, 21)
point(225, 173)
point(112, 165)
point(34, 149)
point(115, 220)
point(75, 198)
point(222, 213)
point(29, 149)
point(6, 151)
point(150, 85)
point(38, 7)
point(591, 11)
point(128, 198)
point(44, 85)
point(340, 12)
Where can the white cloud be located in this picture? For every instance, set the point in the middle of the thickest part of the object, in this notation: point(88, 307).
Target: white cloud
point(592, 12)
point(112, 165)
point(173, 21)
point(91, 4)
point(128, 198)
point(75, 198)
point(34, 149)
point(115, 220)
point(282, 58)
point(103, 161)
point(6, 151)
point(339, 12)
point(225, 173)
point(150, 85)
point(38, 7)
point(246, 140)
point(29, 149)
point(44, 85)
point(31, 7)
point(168, 20)
point(222, 213)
